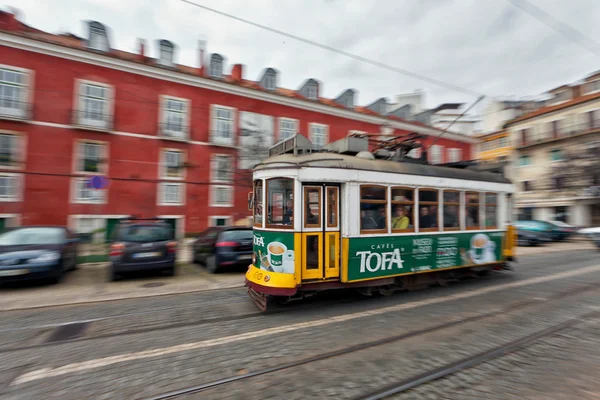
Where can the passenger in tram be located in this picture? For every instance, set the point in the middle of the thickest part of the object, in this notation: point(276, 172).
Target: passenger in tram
point(381, 217)
point(451, 217)
point(366, 220)
point(288, 216)
point(311, 218)
point(400, 220)
point(427, 219)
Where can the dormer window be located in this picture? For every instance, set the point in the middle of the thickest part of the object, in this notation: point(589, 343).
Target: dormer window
point(215, 69)
point(166, 51)
point(98, 39)
point(312, 92)
point(562, 96)
point(270, 83)
point(346, 99)
point(593, 87)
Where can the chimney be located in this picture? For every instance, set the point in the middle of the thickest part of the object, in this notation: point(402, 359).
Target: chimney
point(201, 51)
point(142, 50)
point(237, 72)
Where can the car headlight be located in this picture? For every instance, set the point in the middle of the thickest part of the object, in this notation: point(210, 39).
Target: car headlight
point(48, 256)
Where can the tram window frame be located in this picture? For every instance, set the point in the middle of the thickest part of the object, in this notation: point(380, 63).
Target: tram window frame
point(384, 202)
point(288, 195)
point(485, 212)
point(328, 210)
point(403, 203)
point(466, 211)
point(258, 203)
point(305, 206)
point(452, 204)
point(429, 204)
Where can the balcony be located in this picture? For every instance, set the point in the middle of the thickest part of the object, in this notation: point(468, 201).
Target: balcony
point(15, 110)
point(170, 131)
point(560, 134)
point(92, 120)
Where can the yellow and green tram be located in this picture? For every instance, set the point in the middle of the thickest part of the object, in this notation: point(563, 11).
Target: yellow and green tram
point(348, 217)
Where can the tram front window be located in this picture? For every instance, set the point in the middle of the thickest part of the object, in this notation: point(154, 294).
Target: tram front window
point(280, 202)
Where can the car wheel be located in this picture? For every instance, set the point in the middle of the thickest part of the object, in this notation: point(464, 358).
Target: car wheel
point(57, 276)
point(211, 264)
point(114, 276)
point(196, 259)
point(170, 271)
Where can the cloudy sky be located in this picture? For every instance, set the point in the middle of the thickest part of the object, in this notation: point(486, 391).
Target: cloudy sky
point(488, 46)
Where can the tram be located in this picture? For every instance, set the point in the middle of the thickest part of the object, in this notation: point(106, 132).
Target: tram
point(378, 221)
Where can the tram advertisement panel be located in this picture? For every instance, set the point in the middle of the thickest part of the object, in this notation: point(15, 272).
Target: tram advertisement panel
point(274, 251)
point(372, 257)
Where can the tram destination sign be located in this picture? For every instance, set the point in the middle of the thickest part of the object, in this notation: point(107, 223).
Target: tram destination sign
point(374, 257)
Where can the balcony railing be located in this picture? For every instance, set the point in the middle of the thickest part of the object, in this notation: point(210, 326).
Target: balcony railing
point(92, 120)
point(172, 131)
point(15, 110)
point(558, 134)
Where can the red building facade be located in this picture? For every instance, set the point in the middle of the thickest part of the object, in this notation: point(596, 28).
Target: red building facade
point(173, 141)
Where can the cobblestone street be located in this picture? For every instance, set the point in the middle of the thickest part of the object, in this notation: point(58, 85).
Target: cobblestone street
point(140, 348)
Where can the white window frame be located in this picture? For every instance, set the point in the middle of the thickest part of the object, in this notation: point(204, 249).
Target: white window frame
point(311, 133)
point(108, 109)
point(213, 191)
point(212, 220)
point(439, 153)
point(217, 139)
point(215, 66)
point(270, 81)
point(454, 151)
point(26, 96)
point(161, 193)
point(19, 159)
point(162, 171)
point(18, 187)
point(312, 92)
point(98, 39)
point(78, 157)
point(79, 180)
point(214, 176)
point(183, 134)
point(281, 121)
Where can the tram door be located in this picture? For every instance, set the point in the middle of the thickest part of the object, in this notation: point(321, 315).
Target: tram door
point(320, 232)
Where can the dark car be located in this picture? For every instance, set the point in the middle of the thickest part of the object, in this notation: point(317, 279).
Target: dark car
point(37, 252)
point(529, 238)
point(223, 246)
point(142, 245)
point(562, 230)
point(544, 230)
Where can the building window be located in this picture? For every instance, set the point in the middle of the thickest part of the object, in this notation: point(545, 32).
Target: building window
point(472, 201)
point(221, 196)
point(312, 92)
point(491, 207)
point(171, 193)
point(270, 82)
point(594, 118)
point(91, 157)
point(562, 96)
point(428, 210)
point(403, 206)
point(280, 203)
point(215, 68)
point(172, 164)
point(454, 155)
point(219, 221)
point(222, 125)
point(13, 93)
point(451, 210)
point(527, 186)
point(10, 151)
point(561, 213)
point(287, 128)
point(83, 193)
point(556, 155)
point(435, 154)
point(524, 161)
point(174, 117)
point(9, 190)
point(222, 168)
point(318, 135)
point(166, 53)
point(98, 40)
point(94, 106)
point(258, 203)
point(373, 209)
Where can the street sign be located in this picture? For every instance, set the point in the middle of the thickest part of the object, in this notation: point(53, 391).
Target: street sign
point(97, 182)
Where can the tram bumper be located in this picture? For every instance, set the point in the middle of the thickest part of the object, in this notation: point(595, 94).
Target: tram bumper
point(273, 283)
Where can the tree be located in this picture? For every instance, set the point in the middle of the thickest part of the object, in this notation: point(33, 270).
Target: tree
point(578, 172)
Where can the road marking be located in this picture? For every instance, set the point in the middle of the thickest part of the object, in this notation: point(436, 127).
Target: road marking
point(44, 373)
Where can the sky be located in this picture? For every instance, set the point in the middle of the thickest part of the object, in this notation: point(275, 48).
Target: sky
point(487, 46)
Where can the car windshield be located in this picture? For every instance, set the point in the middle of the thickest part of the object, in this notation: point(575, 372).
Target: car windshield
point(145, 233)
point(561, 224)
point(32, 236)
point(237, 235)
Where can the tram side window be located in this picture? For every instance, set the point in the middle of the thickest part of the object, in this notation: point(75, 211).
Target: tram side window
point(280, 203)
point(428, 210)
point(312, 207)
point(403, 209)
point(258, 205)
point(373, 208)
point(491, 215)
point(472, 201)
point(451, 210)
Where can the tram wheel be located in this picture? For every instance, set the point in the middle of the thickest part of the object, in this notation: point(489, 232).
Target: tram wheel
point(386, 290)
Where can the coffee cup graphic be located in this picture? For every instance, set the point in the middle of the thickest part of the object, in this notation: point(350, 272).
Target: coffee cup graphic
point(276, 251)
point(482, 249)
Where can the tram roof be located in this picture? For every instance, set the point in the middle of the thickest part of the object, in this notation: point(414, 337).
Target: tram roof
point(341, 161)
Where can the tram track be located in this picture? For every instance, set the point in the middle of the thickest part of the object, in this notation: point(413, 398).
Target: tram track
point(581, 289)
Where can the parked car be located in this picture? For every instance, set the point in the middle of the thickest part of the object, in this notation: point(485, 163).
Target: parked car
point(37, 252)
point(142, 245)
point(529, 238)
point(563, 230)
point(220, 247)
point(593, 234)
point(543, 229)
